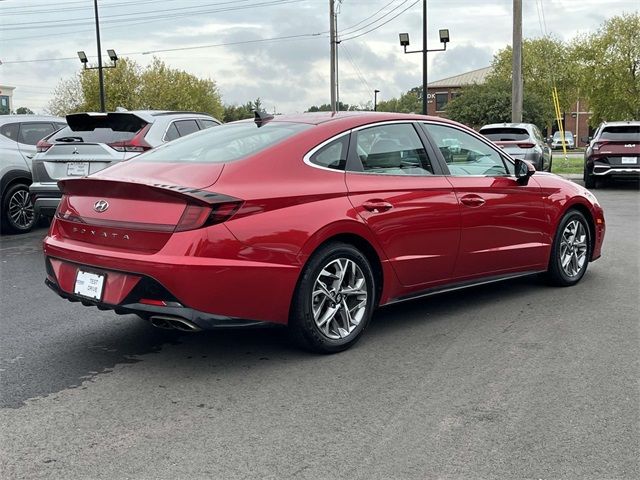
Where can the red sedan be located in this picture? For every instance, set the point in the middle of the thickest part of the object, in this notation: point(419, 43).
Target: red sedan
point(313, 221)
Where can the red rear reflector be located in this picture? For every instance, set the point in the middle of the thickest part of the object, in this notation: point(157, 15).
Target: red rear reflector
point(151, 301)
point(526, 145)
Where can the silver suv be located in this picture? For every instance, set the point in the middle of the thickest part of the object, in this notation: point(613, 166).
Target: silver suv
point(93, 141)
point(521, 140)
point(19, 135)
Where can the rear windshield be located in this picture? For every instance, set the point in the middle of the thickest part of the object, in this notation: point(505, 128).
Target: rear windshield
point(567, 135)
point(505, 134)
point(225, 143)
point(99, 135)
point(626, 133)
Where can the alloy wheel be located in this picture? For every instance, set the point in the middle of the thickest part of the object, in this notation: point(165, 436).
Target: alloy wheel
point(573, 248)
point(20, 211)
point(339, 298)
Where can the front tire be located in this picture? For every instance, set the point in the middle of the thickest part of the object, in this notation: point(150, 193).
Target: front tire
point(18, 215)
point(571, 250)
point(334, 299)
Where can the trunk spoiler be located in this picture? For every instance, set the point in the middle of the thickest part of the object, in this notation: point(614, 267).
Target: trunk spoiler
point(117, 121)
point(125, 189)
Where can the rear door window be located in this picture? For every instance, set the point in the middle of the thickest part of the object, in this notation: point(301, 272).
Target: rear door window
point(394, 149)
point(208, 123)
point(32, 133)
point(172, 133)
point(185, 127)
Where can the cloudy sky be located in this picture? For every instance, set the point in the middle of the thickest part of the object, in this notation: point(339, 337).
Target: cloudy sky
point(39, 40)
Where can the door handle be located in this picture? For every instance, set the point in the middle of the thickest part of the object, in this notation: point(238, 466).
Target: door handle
point(473, 201)
point(376, 206)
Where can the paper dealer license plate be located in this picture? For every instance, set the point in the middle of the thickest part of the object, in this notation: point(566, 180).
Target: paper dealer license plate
point(78, 168)
point(629, 160)
point(89, 285)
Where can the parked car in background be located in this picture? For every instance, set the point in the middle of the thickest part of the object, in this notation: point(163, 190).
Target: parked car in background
point(93, 141)
point(569, 141)
point(312, 221)
point(521, 140)
point(19, 135)
point(614, 152)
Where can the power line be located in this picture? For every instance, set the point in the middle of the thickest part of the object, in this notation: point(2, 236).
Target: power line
point(357, 69)
point(132, 18)
point(84, 6)
point(302, 36)
point(381, 25)
point(370, 16)
point(376, 20)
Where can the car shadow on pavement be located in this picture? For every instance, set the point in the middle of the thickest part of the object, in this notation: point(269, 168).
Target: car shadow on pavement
point(130, 340)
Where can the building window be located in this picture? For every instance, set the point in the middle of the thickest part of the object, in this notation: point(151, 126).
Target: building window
point(441, 101)
point(4, 105)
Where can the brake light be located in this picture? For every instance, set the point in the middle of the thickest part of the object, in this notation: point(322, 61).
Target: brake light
point(526, 145)
point(136, 144)
point(43, 146)
point(196, 216)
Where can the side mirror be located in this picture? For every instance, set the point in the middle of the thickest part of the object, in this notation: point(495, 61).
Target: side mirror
point(524, 170)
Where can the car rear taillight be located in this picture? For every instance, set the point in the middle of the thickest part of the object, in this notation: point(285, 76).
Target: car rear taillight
point(196, 216)
point(136, 144)
point(43, 146)
point(526, 145)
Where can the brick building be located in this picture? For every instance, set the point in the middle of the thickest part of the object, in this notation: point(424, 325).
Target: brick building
point(440, 92)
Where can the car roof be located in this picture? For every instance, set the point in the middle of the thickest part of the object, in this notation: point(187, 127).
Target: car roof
point(620, 123)
point(508, 125)
point(29, 118)
point(351, 119)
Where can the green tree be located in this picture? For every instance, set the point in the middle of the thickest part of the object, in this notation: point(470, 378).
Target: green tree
point(409, 102)
point(128, 85)
point(24, 111)
point(490, 102)
point(609, 69)
point(545, 61)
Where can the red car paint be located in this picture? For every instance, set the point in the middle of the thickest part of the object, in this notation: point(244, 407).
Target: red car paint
point(275, 210)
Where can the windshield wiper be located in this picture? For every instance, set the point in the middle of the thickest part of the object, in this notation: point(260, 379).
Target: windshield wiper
point(69, 139)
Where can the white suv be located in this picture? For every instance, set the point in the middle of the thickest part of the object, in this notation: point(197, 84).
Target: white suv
point(19, 135)
point(93, 141)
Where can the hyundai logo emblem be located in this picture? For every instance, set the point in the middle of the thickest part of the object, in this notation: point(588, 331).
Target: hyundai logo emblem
point(100, 206)
point(75, 151)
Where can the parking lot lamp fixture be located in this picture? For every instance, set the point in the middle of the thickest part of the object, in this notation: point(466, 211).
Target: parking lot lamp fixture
point(404, 43)
point(375, 100)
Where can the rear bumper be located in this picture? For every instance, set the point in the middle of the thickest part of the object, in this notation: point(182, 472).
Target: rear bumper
point(45, 197)
point(603, 169)
point(203, 320)
point(231, 282)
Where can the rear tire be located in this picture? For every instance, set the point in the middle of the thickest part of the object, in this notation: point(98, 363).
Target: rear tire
point(334, 299)
point(571, 250)
point(17, 214)
point(589, 180)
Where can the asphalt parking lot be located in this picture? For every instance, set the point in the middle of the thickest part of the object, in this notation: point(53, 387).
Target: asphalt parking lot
point(511, 380)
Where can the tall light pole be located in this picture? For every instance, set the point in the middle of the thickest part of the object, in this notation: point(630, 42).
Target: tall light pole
point(332, 34)
point(375, 100)
point(100, 74)
point(404, 42)
point(516, 86)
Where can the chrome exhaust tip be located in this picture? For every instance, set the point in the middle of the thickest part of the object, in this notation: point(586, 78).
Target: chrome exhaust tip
point(174, 323)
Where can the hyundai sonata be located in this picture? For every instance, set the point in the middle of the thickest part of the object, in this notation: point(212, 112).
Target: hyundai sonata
point(313, 221)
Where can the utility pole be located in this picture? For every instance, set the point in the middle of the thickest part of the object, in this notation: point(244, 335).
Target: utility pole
point(516, 87)
point(425, 94)
point(332, 34)
point(100, 74)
